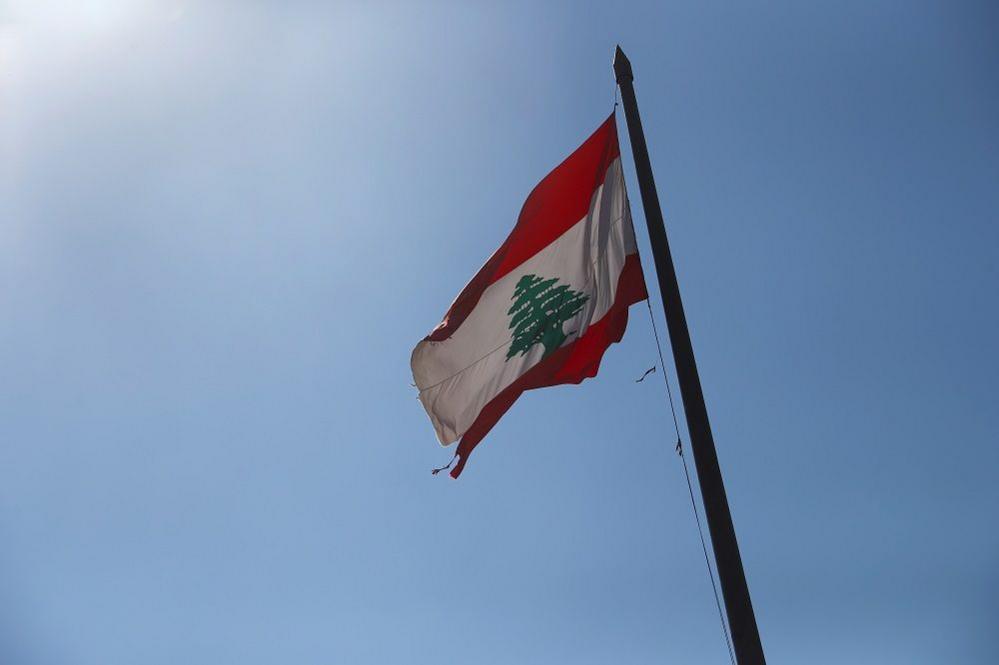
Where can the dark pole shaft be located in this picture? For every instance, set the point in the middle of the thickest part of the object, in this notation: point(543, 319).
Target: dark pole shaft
point(738, 606)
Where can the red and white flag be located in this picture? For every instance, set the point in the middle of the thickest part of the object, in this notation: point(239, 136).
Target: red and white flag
point(544, 307)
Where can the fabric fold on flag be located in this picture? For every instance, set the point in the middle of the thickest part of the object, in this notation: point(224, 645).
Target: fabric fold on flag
point(546, 305)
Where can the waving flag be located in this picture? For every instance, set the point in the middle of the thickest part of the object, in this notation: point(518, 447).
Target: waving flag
point(544, 307)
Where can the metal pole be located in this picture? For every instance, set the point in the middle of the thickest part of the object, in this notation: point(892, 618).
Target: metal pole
point(738, 605)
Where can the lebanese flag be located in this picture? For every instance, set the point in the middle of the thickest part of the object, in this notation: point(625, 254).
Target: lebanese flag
point(544, 307)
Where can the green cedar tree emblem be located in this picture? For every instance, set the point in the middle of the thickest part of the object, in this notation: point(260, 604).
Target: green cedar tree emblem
point(539, 310)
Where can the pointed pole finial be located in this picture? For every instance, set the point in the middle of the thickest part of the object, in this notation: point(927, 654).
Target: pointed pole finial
point(622, 67)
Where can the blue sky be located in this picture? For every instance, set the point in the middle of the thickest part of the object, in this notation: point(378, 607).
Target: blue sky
point(223, 227)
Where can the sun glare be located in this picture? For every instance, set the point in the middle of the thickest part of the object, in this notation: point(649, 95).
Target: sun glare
point(85, 15)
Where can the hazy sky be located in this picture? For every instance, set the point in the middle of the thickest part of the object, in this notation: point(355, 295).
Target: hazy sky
point(224, 226)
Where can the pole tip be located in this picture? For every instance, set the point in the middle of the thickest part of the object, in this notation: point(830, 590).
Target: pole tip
point(622, 67)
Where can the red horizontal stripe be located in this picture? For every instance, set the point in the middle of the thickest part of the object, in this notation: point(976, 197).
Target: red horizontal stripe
point(557, 203)
point(570, 364)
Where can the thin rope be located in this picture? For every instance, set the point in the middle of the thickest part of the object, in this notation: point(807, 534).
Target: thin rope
point(662, 363)
point(690, 489)
point(651, 370)
point(445, 467)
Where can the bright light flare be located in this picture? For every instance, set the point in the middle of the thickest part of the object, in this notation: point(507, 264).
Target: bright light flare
point(87, 16)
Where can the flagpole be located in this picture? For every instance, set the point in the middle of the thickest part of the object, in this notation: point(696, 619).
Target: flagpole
point(738, 605)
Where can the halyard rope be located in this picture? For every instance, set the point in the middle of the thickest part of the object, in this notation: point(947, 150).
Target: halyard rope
point(690, 487)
